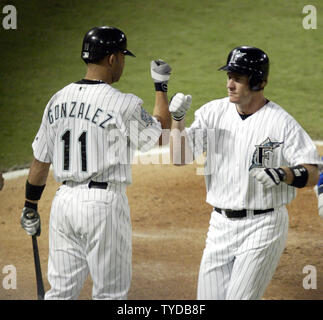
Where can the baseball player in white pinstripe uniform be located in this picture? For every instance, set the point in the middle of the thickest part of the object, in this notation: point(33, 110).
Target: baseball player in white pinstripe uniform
point(256, 157)
point(89, 133)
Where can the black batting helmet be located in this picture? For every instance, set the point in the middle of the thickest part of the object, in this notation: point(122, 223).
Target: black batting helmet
point(249, 61)
point(102, 41)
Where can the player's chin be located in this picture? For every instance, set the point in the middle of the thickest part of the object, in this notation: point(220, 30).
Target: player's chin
point(233, 98)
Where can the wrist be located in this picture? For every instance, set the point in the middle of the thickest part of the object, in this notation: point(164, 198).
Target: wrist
point(161, 86)
point(289, 175)
point(33, 192)
point(282, 174)
point(177, 117)
point(32, 205)
point(300, 176)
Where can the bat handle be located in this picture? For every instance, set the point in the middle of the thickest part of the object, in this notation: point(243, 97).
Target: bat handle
point(39, 278)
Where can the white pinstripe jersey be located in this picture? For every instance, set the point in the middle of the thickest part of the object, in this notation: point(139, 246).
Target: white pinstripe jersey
point(268, 138)
point(90, 130)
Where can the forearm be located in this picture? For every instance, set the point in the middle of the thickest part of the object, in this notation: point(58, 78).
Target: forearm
point(38, 174)
point(160, 73)
point(180, 152)
point(313, 175)
point(161, 112)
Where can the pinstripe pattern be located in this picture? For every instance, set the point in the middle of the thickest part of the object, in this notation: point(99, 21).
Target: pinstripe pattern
point(90, 132)
point(241, 255)
point(111, 142)
point(229, 143)
point(90, 232)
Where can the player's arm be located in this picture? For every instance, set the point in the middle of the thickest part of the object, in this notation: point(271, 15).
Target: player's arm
point(312, 174)
point(38, 174)
point(300, 176)
point(35, 184)
point(160, 73)
point(298, 150)
point(161, 112)
point(180, 152)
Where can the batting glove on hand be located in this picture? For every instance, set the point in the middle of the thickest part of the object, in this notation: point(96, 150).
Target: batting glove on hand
point(269, 177)
point(179, 105)
point(30, 220)
point(160, 72)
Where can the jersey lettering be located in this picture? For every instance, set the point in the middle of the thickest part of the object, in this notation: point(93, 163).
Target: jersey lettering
point(75, 110)
point(84, 133)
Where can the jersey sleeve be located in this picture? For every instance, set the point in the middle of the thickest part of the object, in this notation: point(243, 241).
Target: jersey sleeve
point(144, 129)
point(299, 148)
point(40, 143)
point(197, 134)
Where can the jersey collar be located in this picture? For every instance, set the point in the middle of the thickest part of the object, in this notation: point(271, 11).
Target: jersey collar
point(87, 81)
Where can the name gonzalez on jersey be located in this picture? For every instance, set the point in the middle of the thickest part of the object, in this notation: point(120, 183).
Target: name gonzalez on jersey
point(78, 110)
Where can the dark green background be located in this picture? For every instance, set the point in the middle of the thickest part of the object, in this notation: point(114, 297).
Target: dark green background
point(194, 37)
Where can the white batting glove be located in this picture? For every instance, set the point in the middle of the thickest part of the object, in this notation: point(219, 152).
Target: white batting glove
point(179, 105)
point(30, 221)
point(160, 73)
point(269, 177)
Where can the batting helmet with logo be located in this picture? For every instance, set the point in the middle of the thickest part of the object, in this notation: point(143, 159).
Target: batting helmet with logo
point(102, 41)
point(249, 61)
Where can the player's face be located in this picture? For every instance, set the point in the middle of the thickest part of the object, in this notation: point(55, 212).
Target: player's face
point(238, 88)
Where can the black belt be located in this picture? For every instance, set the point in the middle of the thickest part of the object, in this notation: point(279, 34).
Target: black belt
point(96, 185)
point(240, 213)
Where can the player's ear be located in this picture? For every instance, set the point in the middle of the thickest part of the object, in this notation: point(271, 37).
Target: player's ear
point(111, 59)
point(263, 84)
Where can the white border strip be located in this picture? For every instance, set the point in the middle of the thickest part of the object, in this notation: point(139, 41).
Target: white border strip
point(318, 143)
point(158, 150)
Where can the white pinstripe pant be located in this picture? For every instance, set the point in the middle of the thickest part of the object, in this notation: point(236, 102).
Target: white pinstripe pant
point(241, 255)
point(89, 232)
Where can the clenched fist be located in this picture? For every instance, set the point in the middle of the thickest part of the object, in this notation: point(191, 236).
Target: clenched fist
point(179, 105)
point(160, 73)
point(269, 177)
point(30, 220)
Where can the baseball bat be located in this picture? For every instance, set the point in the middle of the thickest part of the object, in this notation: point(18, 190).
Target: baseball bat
point(39, 278)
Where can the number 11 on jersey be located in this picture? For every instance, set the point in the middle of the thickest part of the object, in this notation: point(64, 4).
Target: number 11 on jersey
point(66, 138)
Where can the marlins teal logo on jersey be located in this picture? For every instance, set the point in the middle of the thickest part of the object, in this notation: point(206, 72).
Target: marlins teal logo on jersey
point(262, 152)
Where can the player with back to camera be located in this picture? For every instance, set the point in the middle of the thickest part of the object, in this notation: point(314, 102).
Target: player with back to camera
point(257, 155)
point(88, 133)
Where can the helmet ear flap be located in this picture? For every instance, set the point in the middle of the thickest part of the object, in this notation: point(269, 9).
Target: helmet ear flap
point(255, 82)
